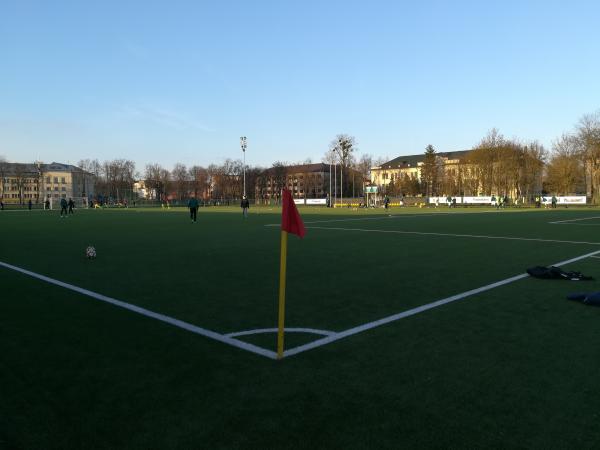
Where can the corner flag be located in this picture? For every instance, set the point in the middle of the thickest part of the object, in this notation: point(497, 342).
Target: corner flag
point(291, 222)
point(290, 218)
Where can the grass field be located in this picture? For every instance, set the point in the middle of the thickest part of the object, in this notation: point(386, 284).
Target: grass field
point(512, 365)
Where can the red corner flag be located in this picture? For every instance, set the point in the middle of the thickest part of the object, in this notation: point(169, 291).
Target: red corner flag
point(290, 223)
point(290, 218)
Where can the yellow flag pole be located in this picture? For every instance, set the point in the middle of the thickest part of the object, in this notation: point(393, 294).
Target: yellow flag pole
point(282, 270)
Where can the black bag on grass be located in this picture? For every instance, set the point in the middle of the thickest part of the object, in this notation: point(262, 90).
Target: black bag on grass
point(555, 273)
point(590, 298)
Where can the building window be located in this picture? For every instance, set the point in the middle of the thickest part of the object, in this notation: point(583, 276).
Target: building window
point(56, 179)
point(62, 180)
point(64, 189)
point(47, 179)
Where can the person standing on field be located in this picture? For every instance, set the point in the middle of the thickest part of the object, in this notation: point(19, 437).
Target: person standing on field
point(63, 207)
point(245, 206)
point(193, 205)
point(71, 205)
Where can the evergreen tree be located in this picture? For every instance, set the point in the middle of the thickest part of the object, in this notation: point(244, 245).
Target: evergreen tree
point(429, 171)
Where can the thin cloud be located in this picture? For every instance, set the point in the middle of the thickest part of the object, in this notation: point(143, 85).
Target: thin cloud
point(164, 116)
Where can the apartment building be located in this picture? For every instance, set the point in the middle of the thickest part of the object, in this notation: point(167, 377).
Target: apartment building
point(411, 166)
point(22, 182)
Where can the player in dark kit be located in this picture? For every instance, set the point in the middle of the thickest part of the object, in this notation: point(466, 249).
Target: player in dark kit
point(245, 206)
point(71, 205)
point(193, 205)
point(63, 207)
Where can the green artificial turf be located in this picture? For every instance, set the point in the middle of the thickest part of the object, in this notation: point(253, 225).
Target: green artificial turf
point(512, 367)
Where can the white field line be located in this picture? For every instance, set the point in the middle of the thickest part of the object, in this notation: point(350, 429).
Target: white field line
point(476, 236)
point(417, 310)
point(145, 312)
point(578, 224)
point(228, 338)
point(388, 217)
point(596, 257)
point(287, 330)
point(358, 219)
point(574, 220)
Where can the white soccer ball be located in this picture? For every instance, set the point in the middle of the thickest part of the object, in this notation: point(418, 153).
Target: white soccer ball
point(90, 252)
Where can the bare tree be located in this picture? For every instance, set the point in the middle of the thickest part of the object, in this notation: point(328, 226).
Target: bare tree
point(153, 181)
point(565, 171)
point(253, 175)
point(588, 136)
point(343, 147)
point(262, 185)
point(165, 179)
point(118, 177)
point(181, 180)
point(199, 177)
point(380, 160)
point(20, 174)
point(534, 156)
point(364, 165)
point(215, 182)
point(483, 162)
point(278, 179)
point(3, 172)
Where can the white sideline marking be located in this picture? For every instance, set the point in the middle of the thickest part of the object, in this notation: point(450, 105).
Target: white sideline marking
point(287, 330)
point(417, 310)
point(330, 336)
point(390, 216)
point(145, 312)
point(578, 224)
point(573, 220)
point(365, 218)
point(453, 235)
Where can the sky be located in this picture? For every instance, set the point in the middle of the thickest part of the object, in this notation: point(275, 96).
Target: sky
point(180, 81)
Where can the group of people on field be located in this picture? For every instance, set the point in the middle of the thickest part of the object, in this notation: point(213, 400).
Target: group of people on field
point(63, 207)
point(539, 200)
point(193, 205)
point(500, 202)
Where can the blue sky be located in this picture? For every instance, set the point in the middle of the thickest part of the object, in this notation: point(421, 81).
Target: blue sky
point(179, 81)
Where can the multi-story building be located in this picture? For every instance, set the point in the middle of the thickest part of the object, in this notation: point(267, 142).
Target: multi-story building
point(308, 181)
point(39, 182)
point(303, 181)
point(411, 166)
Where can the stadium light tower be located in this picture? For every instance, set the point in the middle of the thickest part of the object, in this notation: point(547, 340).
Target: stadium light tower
point(243, 145)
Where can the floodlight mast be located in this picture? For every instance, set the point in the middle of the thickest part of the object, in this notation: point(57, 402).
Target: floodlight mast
point(244, 145)
point(329, 184)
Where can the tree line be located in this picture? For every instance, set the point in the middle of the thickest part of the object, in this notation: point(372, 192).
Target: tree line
point(501, 166)
point(496, 165)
